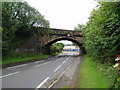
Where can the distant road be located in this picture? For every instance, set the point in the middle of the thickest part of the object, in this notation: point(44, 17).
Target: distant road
point(37, 74)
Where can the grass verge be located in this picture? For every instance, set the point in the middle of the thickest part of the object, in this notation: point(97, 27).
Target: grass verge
point(89, 76)
point(65, 87)
point(22, 57)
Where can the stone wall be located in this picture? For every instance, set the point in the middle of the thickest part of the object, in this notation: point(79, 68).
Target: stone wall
point(37, 43)
point(30, 46)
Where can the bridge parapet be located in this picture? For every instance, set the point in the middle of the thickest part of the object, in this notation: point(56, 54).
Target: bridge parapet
point(68, 33)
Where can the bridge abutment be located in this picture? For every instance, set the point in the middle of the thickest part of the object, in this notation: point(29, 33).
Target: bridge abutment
point(46, 50)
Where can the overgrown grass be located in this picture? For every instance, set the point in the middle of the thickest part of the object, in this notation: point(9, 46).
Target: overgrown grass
point(65, 87)
point(15, 58)
point(110, 73)
point(89, 76)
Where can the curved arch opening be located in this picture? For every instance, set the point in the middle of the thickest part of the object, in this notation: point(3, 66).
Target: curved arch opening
point(48, 45)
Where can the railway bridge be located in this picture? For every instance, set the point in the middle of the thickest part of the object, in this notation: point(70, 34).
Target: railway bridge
point(41, 43)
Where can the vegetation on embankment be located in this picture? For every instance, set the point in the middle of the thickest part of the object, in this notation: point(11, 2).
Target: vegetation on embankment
point(92, 74)
point(20, 22)
point(102, 32)
point(22, 57)
point(16, 58)
point(102, 44)
point(56, 48)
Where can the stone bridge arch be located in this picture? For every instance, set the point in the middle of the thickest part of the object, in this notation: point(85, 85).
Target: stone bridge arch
point(46, 49)
point(41, 43)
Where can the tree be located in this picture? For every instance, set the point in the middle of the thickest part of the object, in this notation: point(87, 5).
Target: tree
point(17, 19)
point(102, 38)
point(79, 27)
point(56, 48)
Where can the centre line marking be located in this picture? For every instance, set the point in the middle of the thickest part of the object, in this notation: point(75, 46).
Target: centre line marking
point(45, 63)
point(64, 61)
point(8, 74)
point(42, 83)
point(57, 68)
point(42, 64)
point(17, 66)
point(67, 58)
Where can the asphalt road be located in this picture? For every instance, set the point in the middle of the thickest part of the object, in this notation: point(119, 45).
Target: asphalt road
point(39, 74)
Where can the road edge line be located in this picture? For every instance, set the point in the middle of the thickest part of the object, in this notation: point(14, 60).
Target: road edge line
point(42, 83)
point(61, 74)
point(8, 74)
point(17, 66)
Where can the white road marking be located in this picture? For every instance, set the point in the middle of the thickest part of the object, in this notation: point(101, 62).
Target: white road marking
point(8, 74)
point(38, 65)
point(60, 76)
point(42, 64)
point(42, 83)
point(39, 61)
point(17, 66)
point(45, 63)
point(57, 68)
point(67, 58)
point(64, 61)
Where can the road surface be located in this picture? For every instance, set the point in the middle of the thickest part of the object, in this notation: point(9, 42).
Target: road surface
point(38, 74)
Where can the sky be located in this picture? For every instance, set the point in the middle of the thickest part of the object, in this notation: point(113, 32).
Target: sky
point(64, 14)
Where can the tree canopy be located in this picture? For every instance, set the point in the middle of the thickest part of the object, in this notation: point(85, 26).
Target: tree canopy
point(17, 20)
point(102, 32)
point(79, 27)
point(56, 48)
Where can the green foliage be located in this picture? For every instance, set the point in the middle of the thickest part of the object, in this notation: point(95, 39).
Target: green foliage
point(79, 27)
point(21, 57)
point(102, 32)
point(17, 20)
point(110, 73)
point(64, 33)
point(65, 87)
point(102, 41)
point(56, 48)
point(74, 44)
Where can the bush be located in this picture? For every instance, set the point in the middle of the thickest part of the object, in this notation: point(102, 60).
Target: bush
point(56, 48)
point(102, 32)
